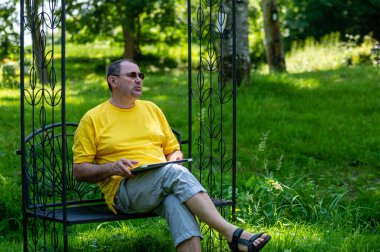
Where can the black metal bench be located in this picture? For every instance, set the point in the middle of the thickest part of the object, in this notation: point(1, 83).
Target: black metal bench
point(48, 198)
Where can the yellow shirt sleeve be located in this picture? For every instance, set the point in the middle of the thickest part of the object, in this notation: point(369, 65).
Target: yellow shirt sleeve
point(84, 147)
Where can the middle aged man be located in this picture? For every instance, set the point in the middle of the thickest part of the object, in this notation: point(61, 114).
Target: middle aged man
point(124, 132)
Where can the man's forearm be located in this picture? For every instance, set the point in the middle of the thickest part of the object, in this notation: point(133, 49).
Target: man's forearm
point(92, 173)
point(95, 173)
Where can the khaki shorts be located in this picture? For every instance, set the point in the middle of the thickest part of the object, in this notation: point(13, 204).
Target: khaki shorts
point(163, 191)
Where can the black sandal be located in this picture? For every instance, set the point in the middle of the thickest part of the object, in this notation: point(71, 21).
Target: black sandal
point(251, 247)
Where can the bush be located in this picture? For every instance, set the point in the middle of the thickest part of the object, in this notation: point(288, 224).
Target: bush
point(9, 74)
point(356, 52)
point(330, 53)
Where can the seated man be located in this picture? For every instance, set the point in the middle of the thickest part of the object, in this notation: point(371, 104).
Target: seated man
point(124, 132)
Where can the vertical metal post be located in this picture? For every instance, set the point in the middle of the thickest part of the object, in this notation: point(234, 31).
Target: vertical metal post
point(234, 109)
point(22, 121)
point(63, 120)
point(189, 81)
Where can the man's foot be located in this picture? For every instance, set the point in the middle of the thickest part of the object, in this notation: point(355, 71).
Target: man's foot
point(245, 241)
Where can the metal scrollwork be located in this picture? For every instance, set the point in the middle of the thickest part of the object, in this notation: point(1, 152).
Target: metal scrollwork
point(42, 98)
point(211, 97)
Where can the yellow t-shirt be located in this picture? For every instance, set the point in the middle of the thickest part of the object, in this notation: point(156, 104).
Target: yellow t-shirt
point(107, 133)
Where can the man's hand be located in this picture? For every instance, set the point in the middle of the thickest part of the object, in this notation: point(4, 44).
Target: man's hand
point(176, 155)
point(121, 167)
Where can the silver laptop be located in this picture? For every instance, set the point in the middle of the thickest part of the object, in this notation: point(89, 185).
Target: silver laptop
point(146, 167)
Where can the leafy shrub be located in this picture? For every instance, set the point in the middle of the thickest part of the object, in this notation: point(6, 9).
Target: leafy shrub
point(9, 74)
point(330, 53)
point(357, 53)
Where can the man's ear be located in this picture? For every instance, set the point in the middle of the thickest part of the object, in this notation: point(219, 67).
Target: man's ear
point(112, 80)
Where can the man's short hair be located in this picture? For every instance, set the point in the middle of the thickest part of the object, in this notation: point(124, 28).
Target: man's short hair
point(114, 69)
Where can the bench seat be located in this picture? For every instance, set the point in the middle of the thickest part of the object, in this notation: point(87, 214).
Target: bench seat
point(93, 213)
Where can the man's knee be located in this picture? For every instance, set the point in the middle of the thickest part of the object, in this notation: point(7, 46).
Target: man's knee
point(193, 244)
point(176, 169)
point(173, 206)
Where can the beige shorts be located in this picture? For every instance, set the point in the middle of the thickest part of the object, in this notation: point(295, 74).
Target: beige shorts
point(163, 191)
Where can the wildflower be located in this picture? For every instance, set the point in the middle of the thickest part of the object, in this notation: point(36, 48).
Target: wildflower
point(275, 184)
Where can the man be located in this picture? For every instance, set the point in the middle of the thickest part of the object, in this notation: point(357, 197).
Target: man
point(124, 132)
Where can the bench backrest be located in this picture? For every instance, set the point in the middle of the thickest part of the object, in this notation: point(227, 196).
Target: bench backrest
point(44, 169)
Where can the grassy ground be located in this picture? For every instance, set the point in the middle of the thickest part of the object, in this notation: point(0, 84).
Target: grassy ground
point(308, 159)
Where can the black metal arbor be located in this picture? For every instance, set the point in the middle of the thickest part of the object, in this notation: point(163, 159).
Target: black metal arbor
point(48, 188)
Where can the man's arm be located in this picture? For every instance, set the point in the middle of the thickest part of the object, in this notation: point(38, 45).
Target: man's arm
point(175, 155)
point(95, 173)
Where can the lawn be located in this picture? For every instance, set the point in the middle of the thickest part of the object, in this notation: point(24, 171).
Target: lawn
point(308, 159)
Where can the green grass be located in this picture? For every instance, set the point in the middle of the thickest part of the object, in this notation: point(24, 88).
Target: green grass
point(308, 159)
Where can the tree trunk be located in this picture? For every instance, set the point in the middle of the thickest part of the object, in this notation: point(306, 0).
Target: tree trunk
point(132, 34)
point(274, 46)
point(129, 43)
point(38, 43)
point(243, 62)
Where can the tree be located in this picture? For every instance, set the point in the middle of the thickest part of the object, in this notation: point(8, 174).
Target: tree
point(33, 23)
point(8, 37)
point(243, 62)
point(274, 46)
point(121, 20)
point(316, 18)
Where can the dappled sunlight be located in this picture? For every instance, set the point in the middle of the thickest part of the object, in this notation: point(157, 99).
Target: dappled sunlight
point(3, 180)
point(123, 236)
point(75, 100)
point(89, 82)
point(304, 83)
point(95, 50)
point(294, 236)
point(93, 77)
point(161, 98)
point(9, 97)
point(146, 89)
point(9, 93)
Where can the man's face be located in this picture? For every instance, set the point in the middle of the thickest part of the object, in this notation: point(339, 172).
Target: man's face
point(128, 83)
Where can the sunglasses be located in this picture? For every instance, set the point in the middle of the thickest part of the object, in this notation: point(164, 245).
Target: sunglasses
point(134, 75)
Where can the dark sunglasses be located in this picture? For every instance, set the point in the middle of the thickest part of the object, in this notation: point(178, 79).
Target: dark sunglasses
point(134, 75)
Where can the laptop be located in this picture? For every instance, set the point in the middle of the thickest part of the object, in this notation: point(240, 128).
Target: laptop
point(147, 167)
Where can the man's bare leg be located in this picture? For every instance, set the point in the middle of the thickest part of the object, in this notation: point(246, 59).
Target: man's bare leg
point(203, 207)
point(191, 245)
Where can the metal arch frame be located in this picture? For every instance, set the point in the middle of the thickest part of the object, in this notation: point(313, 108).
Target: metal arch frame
point(41, 61)
point(196, 93)
point(191, 91)
point(209, 4)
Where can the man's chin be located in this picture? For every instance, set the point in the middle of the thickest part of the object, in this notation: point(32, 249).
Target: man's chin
point(137, 94)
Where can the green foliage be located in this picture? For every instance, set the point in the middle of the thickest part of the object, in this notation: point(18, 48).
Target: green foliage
point(132, 23)
point(330, 53)
point(308, 152)
point(256, 36)
point(135, 235)
point(303, 22)
point(10, 173)
point(268, 201)
point(308, 164)
point(8, 37)
point(9, 74)
point(303, 19)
